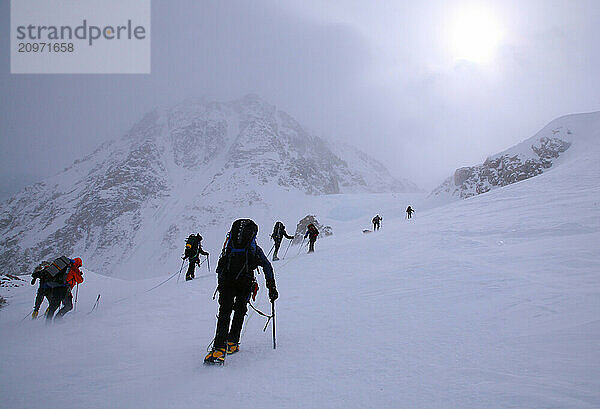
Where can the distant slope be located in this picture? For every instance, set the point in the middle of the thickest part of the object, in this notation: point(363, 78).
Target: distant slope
point(192, 167)
point(374, 176)
point(546, 149)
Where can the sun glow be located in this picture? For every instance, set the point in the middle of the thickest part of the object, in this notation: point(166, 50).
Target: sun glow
point(475, 35)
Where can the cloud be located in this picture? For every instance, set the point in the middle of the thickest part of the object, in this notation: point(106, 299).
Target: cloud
point(377, 74)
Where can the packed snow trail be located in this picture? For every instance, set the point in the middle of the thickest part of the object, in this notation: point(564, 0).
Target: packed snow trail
point(488, 302)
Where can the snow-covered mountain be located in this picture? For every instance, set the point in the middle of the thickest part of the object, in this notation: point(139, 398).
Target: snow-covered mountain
point(192, 167)
point(545, 150)
point(491, 302)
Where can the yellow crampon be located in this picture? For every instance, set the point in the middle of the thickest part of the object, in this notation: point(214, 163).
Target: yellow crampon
point(216, 356)
point(232, 348)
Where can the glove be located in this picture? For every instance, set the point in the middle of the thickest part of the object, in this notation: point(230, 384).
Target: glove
point(34, 314)
point(254, 290)
point(183, 258)
point(33, 280)
point(273, 294)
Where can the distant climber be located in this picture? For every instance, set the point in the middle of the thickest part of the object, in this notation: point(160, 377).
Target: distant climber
point(311, 233)
point(63, 274)
point(278, 234)
point(43, 290)
point(377, 222)
point(193, 249)
point(409, 212)
point(235, 271)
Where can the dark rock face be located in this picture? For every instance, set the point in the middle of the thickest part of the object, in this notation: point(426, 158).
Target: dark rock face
point(503, 170)
point(302, 225)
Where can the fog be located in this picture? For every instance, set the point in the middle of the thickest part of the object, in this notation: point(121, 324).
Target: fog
point(380, 75)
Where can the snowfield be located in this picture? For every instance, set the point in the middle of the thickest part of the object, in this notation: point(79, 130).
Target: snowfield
point(489, 302)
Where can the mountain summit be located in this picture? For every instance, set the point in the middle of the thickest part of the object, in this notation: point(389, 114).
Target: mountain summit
point(192, 166)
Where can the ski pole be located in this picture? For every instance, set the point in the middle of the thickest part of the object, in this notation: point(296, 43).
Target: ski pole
point(95, 304)
point(273, 315)
point(272, 247)
point(181, 268)
point(301, 245)
point(208, 262)
point(76, 294)
point(286, 250)
point(25, 317)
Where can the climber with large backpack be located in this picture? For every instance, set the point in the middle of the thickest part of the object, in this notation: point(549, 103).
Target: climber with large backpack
point(62, 275)
point(409, 212)
point(311, 233)
point(241, 255)
point(193, 249)
point(43, 290)
point(377, 222)
point(278, 234)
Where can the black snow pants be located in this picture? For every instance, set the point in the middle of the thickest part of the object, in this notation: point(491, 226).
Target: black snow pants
point(58, 295)
point(375, 225)
point(277, 245)
point(191, 268)
point(233, 296)
point(42, 292)
point(67, 304)
point(311, 245)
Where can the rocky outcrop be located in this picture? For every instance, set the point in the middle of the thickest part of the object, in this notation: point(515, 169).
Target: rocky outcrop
point(512, 166)
point(302, 225)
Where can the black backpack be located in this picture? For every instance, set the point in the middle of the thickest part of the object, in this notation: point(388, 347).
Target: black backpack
point(191, 246)
point(56, 272)
point(238, 260)
point(278, 230)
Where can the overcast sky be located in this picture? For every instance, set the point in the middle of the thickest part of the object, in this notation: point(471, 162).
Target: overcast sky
point(397, 79)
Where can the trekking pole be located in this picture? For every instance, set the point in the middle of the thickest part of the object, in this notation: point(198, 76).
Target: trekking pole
point(286, 250)
point(301, 245)
point(272, 247)
point(25, 317)
point(273, 315)
point(76, 294)
point(95, 304)
point(181, 268)
point(208, 262)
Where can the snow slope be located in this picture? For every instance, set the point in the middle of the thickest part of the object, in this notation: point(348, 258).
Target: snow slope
point(493, 301)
